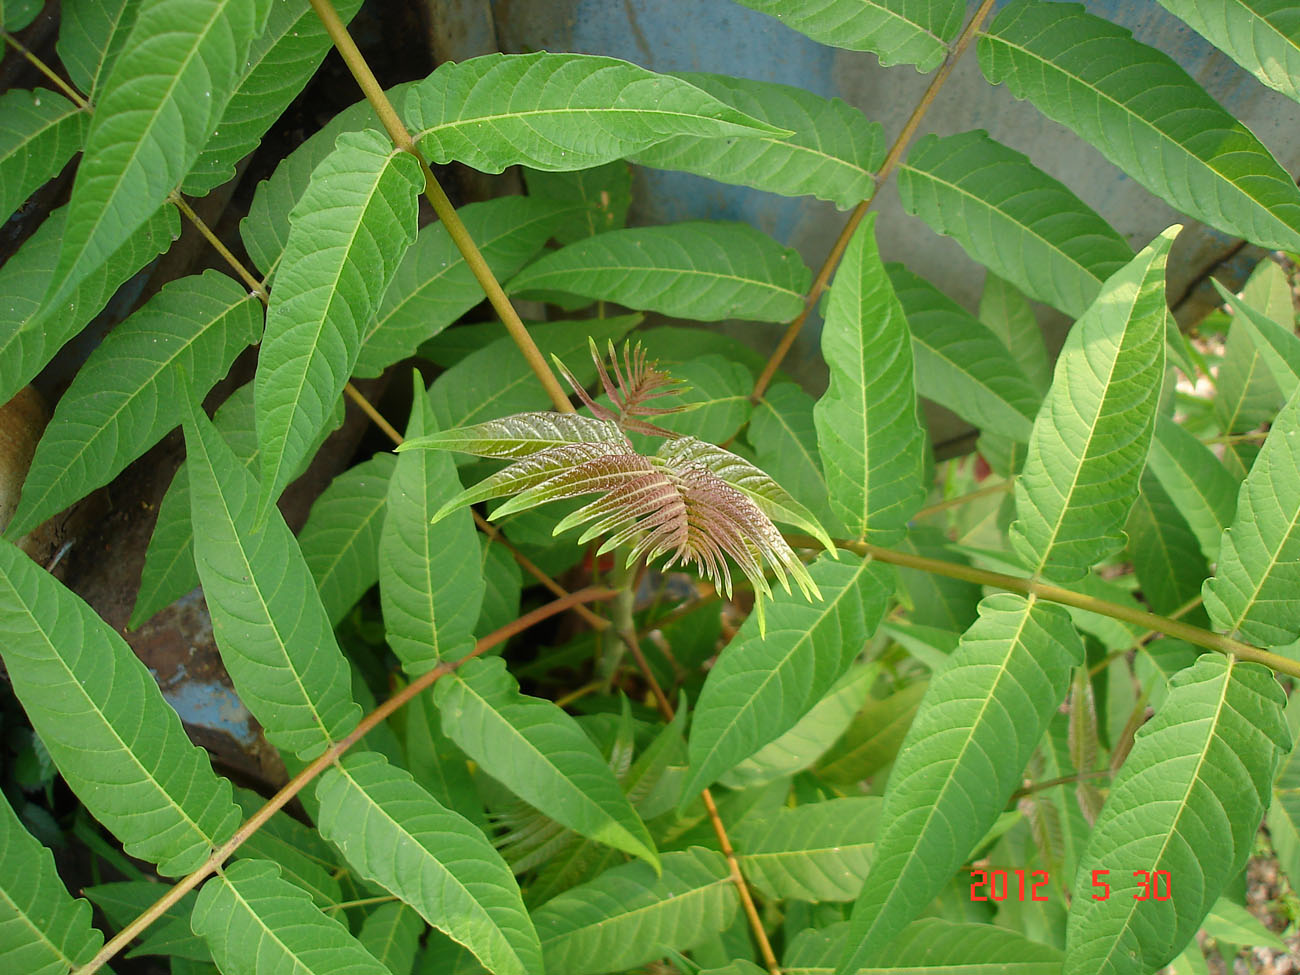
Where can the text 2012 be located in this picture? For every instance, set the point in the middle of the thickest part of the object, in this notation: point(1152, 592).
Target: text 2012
point(1022, 885)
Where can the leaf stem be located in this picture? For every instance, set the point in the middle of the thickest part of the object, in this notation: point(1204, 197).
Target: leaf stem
point(886, 168)
point(1001, 488)
point(73, 95)
point(235, 263)
point(442, 206)
point(1056, 594)
point(331, 755)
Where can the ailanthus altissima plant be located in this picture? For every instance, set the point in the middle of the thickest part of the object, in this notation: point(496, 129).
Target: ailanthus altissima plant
point(540, 708)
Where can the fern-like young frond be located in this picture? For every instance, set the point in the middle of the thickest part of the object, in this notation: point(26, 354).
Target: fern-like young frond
point(691, 501)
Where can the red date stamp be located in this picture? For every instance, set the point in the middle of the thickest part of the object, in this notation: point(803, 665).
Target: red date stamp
point(1027, 885)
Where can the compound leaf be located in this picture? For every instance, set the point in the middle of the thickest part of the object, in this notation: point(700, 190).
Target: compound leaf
point(560, 111)
point(340, 541)
point(697, 270)
point(868, 428)
point(761, 686)
point(1187, 801)
point(43, 931)
point(628, 915)
point(1146, 115)
point(430, 575)
point(255, 921)
point(98, 711)
point(832, 154)
point(274, 636)
point(896, 31)
point(961, 363)
point(540, 754)
point(123, 400)
point(396, 834)
point(1253, 592)
point(1094, 430)
point(1012, 217)
point(39, 133)
point(979, 722)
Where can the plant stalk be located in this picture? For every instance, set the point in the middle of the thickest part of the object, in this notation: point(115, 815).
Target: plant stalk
point(883, 173)
point(442, 206)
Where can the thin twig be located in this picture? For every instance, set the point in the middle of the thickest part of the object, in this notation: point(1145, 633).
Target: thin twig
point(1000, 488)
point(332, 755)
point(1052, 783)
point(74, 96)
point(442, 206)
point(244, 273)
point(1056, 594)
point(878, 178)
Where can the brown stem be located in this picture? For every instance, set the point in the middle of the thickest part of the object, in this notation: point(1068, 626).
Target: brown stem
point(1053, 783)
point(1055, 594)
point(332, 754)
point(442, 206)
point(628, 636)
point(886, 168)
point(235, 263)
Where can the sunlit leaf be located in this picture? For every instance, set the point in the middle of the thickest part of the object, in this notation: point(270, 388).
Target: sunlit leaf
point(1187, 803)
point(697, 270)
point(1263, 36)
point(559, 111)
point(117, 743)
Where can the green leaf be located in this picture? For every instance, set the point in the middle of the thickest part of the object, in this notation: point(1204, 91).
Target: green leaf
point(627, 916)
point(697, 270)
point(280, 62)
point(117, 743)
point(559, 112)
point(832, 154)
point(1188, 801)
point(169, 571)
point(1164, 551)
point(809, 739)
point(266, 228)
point(519, 435)
point(1252, 594)
point(717, 393)
point(391, 932)
point(1228, 921)
point(430, 575)
point(977, 727)
point(502, 584)
point(784, 438)
point(1007, 312)
point(1094, 430)
point(937, 601)
point(1284, 816)
point(1275, 342)
point(761, 686)
point(269, 623)
point(303, 857)
point(1196, 481)
point(931, 946)
point(396, 834)
point(1146, 115)
point(603, 194)
point(29, 335)
point(43, 931)
point(17, 14)
point(340, 541)
point(496, 380)
point(960, 363)
point(539, 753)
point(91, 35)
point(39, 133)
point(433, 286)
point(1010, 216)
point(896, 31)
point(1263, 36)
point(347, 234)
point(818, 852)
point(122, 902)
point(160, 102)
point(122, 400)
point(868, 426)
point(873, 739)
point(256, 922)
point(1248, 395)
